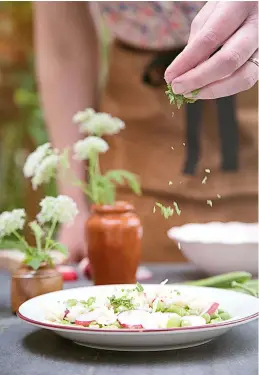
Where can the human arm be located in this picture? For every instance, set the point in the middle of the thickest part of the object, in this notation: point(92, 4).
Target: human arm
point(66, 47)
point(233, 26)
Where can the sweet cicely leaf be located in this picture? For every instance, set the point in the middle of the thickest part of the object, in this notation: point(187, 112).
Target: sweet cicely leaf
point(165, 211)
point(121, 177)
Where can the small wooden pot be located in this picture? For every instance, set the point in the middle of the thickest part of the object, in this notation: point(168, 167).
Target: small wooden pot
point(28, 283)
point(114, 243)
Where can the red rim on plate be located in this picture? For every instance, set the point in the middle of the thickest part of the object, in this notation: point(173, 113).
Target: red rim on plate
point(120, 331)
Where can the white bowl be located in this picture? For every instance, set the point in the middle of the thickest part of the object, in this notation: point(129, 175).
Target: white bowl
point(219, 247)
point(243, 309)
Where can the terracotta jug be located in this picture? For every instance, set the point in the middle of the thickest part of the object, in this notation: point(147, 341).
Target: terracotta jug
point(114, 235)
point(28, 283)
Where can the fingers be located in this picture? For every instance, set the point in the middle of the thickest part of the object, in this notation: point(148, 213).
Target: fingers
point(242, 79)
point(235, 52)
point(218, 29)
point(201, 19)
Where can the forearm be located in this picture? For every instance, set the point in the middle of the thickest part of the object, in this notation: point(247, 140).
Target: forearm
point(67, 70)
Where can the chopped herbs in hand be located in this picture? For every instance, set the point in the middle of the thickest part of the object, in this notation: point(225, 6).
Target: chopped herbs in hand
point(165, 211)
point(177, 99)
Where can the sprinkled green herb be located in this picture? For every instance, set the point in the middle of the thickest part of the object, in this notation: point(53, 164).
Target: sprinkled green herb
point(179, 100)
point(71, 302)
point(89, 302)
point(139, 287)
point(209, 202)
point(204, 180)
point(121, 303)
point(177, 209)
point(165, 211)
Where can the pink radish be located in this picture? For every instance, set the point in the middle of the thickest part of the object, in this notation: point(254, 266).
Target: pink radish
point(68, 273)
point(85, 268)
point(212, 309)
point(86, 319)
point(133, 319)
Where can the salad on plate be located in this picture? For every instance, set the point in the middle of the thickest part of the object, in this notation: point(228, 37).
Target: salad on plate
point(135, 308)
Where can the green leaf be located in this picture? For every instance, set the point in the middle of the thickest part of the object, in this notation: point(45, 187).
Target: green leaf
point(139, 287)
point(121, 176)
point(33, 261)
point(89, 302)
point(165, 211)
point(58, 247)
point(71, 302)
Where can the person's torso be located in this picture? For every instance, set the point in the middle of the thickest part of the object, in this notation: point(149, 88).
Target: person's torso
point(150, 24)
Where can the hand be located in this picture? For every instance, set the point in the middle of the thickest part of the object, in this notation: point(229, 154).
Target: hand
point(74, 238)
point(232, 25)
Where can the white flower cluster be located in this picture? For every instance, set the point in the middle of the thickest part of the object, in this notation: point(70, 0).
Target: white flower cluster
point(11, 221)
point(85, 115)
point(84, 148)
point(41, 165)
point(100, 124)
point(61, 209)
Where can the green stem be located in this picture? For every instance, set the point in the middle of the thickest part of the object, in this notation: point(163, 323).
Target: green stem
point(93, 158)
point(234, 284)
point(38, 242)
point(21, 238)
point(50, 234)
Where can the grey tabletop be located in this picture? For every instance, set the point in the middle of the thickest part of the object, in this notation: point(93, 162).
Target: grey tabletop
point(26, 350)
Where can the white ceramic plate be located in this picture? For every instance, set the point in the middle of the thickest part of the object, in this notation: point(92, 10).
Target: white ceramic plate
point(243, 308)
point(217, 247)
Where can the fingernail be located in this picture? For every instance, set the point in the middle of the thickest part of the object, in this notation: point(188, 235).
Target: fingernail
point(167, 76)
point(178, 88)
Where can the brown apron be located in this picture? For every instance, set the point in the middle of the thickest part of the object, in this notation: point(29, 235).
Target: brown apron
point(154, 146)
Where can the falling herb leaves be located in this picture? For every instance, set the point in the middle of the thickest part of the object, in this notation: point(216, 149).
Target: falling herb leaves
point(209, 202)
point(165, 211)
point(207, 170)
point(177, 209)
point(179, 100)
point(204, 180)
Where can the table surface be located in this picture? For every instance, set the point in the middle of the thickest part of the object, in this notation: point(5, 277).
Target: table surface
point(26, 350)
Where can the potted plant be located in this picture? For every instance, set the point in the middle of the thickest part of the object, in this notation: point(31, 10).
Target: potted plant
point(37, 274)
point(113, 230)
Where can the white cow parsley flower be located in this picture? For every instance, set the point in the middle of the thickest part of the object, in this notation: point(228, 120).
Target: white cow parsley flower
point(102, 124)
point(11, 221)
point(34, 159)
point(61, 209)
point(45, 171)
point(83, 116)
point(85, 147)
